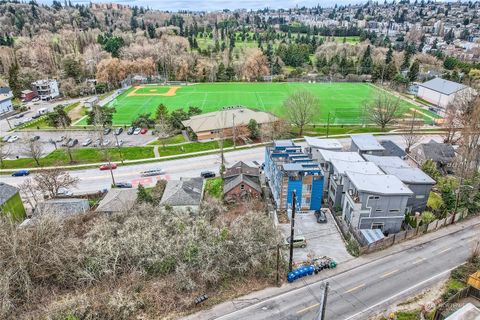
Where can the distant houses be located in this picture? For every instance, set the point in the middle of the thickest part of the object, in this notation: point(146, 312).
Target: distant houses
point(46, 89)
point(226, 123)
point(117, 200)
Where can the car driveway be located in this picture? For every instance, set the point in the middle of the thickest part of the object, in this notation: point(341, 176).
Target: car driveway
point(323, 239)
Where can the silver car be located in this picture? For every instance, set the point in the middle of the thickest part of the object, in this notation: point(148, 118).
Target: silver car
point(153, 172)
point(87, 142)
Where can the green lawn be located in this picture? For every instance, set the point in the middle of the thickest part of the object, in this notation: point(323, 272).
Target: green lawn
point(344, 101)
point(81, 156)
point(172, 140)
point(192, 147)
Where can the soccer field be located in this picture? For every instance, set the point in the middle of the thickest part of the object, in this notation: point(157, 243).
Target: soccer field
point(344, 101)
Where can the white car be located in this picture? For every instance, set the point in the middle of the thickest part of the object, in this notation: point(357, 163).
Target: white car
point(137, 131)
point(36, 99)
point(64, 192)
point(106, 143)
point(87, 142)
point(6, 138)
point(153, 172)
point(13, 139)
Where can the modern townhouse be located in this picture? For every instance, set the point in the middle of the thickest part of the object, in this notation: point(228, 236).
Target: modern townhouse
point(287, 169)
point(315, 144)
point(366, 144)
point(375, 201)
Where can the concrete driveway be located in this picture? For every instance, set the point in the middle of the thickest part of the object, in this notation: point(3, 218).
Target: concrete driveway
point(323, 239)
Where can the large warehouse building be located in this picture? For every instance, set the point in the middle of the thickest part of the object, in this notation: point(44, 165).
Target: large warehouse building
point(440, 92)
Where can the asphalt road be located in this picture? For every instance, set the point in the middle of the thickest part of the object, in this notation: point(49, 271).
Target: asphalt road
point(367, 289)
point(92, 180)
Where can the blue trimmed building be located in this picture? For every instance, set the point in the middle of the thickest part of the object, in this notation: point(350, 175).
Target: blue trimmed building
point(288, 168)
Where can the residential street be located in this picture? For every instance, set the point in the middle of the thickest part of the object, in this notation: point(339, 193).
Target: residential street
point(92, 180)
point(362, 287)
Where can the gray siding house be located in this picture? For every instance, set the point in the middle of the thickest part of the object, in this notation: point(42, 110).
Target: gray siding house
point(416, 180)
point(336, 192)
point(375, 201)
point(366, 144)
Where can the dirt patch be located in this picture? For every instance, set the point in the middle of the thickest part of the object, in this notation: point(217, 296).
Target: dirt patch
point(170, 93)
point(76, 113)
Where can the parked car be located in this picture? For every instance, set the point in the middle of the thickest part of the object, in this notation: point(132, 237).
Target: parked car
point(13, 139)
point(143, 131)
point(18, 123)
point(72, 143)
point(137, 131)
point(298, 241)
point(123, 185)
point(130, 130)
point(20, 115)
point(153, 172)
point(119, 143)
point(36, 99)
point(6, 138)
point(97, 143)
point(35, 138)
point(60, 139)
point(35, 116)
point(64, 192)
point(20, 173)
point(321, 216)
point(207, 174)
point(106, 131)
point(118, 131)
point(87, 142)
point(105, 143)
point(108, 166)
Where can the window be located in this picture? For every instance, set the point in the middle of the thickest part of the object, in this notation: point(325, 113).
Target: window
point(378, 210)
point(374, 197)
point(377, 225)
point(242, 187)
point(420, 196)
point(307, 187)
point(394, 210)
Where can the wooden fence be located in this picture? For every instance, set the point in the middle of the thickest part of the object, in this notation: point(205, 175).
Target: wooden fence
point(443, 310)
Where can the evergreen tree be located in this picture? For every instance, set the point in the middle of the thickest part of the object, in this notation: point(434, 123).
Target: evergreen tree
point(367, 61)
point(276, 68)
point(143, 196)
point(13, 81)
point(414, 70)
point(221, 73)
point(151, 31)
point(389, 55)
point(133, 23)
point(406, 60)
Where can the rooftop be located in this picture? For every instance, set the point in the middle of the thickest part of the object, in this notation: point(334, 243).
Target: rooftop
point(329, 144)
point(392, 149)
point(438, 152)
point(118, 200)
point(233, 181)
point(66, 206)
point(227, 118)
point(390, 161)
point(379, 184)
point(283, 143)
point(241, 168)
point(301, 166)
point(328, 155)
point(409, 175)
point(443, 86)
point(6, 192)
point(360, 167)
point(186, 192)
point(366, 142)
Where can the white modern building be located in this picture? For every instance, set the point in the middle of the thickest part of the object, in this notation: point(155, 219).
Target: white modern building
point(6, 97)
point(441, 92)
point(46, 89)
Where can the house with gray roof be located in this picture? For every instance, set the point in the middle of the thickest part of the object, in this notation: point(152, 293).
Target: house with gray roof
point(416, 180)
point(241, 181)
point(441, 92)
point(387, 161)
point(10, 202)
point(62, 207)
point(375, 201)
point(441, 154)
point(117, 200)
point(314, 144)
point(183, 194)
point(392, 149)
point(336, 192)
point(366, 144)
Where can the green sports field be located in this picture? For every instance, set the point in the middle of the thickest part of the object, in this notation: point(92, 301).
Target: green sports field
point(344, 101)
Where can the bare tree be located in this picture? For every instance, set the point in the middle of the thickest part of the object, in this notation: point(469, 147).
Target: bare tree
point(300, 107)
point(456, 116)
point(164, 129)
point(411, 136)
point(4, 151)
point(34, 149)
point(50, 181)
point(30, 192)
point(384, 110)
point(467, 161)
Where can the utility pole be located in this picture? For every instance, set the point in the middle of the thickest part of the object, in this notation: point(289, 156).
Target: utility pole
point(278, 265)
point(119, 148)
point(292, 230)
point(328, 123)
point(234, 131)
point(323, 304)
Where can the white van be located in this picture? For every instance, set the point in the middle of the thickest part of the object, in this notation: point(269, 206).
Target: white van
point(42, 111)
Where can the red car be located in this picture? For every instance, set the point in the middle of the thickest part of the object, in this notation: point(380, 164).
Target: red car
point(107, 166)
point(143, 131)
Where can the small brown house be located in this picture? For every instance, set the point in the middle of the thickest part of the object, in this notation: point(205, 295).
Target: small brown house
point(241, 182)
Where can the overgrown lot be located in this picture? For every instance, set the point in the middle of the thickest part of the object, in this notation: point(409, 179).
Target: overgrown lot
point(150, 263)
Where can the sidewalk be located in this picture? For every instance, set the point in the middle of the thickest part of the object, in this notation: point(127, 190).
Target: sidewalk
point(262, 295)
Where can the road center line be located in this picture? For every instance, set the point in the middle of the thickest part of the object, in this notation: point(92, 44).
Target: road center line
point(445, 250)
point(355, 288)
point(389, 273)
point(419, 260)
point(308, 308)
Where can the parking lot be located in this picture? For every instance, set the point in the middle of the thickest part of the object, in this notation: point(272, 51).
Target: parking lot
point(19, 147)
point(323, 239)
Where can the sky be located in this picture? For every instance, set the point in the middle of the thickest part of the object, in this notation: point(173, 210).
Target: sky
point(212, 5)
